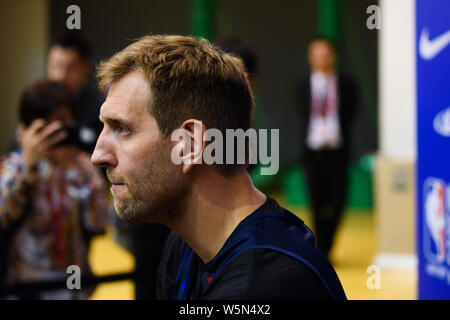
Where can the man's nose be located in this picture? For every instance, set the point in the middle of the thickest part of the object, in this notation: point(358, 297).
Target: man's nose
point(103, 155)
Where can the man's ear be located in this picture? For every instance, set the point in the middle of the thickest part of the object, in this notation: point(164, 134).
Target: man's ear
point(194, 143)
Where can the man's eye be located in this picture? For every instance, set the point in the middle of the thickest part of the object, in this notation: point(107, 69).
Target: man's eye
point(122, 129)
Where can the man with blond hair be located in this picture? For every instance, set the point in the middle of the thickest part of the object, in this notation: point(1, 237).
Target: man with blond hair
point(229, 240)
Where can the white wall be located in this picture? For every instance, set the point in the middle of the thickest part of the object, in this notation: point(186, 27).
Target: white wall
point(24, 41)
point(397, 68)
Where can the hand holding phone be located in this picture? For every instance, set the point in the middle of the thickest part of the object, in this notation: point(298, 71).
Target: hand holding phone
point(37, 140)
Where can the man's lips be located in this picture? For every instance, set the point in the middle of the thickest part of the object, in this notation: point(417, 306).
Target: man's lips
point(116, 182)
point(117, 185)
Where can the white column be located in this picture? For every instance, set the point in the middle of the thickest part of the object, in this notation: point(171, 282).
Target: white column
point(395, 169)
point(397, 79)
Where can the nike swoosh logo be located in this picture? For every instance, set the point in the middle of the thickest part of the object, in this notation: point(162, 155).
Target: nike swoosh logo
point(430, 48)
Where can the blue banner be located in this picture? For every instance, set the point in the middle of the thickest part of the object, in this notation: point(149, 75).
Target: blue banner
point(433, 150)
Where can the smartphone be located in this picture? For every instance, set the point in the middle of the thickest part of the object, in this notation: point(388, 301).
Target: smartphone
point(72, 138)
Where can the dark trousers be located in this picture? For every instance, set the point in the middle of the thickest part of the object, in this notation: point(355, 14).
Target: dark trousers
point(326, 175)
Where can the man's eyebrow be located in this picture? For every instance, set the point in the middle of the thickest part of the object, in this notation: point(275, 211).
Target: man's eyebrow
point(113, 118)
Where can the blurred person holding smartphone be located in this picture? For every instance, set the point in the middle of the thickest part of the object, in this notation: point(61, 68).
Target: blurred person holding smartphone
point(52, 199)
point(69, 61)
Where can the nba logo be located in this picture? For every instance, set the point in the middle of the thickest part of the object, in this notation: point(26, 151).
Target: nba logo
point(436, 222)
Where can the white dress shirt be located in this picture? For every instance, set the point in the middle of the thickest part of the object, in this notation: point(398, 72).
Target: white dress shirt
point(324, 128)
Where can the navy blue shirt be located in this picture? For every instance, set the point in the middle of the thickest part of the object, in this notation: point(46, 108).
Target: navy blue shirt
point(254, 274)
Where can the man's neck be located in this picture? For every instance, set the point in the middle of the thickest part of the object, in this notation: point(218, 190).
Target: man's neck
point(216, 206)
point(325, 72)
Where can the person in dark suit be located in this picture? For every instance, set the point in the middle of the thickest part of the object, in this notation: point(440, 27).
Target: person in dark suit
point(327, 101)
point(70, 61)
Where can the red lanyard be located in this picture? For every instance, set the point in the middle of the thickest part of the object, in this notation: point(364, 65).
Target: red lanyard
point(325, 105)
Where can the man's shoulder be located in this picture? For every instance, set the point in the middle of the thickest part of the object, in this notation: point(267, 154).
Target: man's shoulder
point(267, 274)
point(276, 255)
point(277, 222)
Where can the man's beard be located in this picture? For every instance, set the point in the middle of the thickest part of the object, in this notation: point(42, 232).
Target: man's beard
point(157, 194)
point(131, 207)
